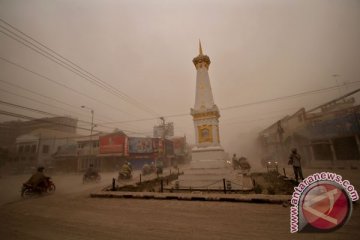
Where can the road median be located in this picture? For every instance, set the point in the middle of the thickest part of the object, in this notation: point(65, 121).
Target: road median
point(249, 198)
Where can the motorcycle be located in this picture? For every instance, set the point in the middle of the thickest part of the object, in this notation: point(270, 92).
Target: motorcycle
point(29, 190)
point(148, 169)
point(91, 178)
point(159, 170)
point(123, 175)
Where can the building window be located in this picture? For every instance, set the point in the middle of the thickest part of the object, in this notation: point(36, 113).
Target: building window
point(322, 151)
point(21, 149)
point(27, 148)
point(33, 148)
point(346, 148)
point(45, 149)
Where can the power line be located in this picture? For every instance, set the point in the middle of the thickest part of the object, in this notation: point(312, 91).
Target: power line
point(30, 109)
point(69, 65)
point(39, 111)
point(281, 98)
point(34, 100)
point(248, 104)
point(39, 94)
point(55, 115)
point(61, 85)
point(6, 113)
point(17, 115)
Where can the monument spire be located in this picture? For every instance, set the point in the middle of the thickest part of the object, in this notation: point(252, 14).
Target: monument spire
point(200, 49)
point(201, 60)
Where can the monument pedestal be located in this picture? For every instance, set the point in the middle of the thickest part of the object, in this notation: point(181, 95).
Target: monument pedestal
point(207, 170)
point(208, 158)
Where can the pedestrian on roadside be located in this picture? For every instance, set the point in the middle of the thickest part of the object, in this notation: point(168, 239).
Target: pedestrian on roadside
point(234, 161)
point(295, 161)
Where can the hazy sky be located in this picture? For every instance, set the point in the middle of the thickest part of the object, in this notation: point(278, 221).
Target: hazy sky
point(259, 50)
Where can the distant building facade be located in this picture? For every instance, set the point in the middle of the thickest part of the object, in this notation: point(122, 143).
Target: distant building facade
point(10, 130)
point(37, 147)
point(327, 136)
point(166, 130)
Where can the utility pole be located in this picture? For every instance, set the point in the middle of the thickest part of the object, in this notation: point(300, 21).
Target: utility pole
point(163, 136)
point(91, 128)
point(337, 83)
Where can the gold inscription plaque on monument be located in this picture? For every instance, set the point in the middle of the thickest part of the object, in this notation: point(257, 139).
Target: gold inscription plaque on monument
point(205, 133)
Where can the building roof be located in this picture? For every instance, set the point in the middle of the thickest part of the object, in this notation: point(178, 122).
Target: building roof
point(44, 133)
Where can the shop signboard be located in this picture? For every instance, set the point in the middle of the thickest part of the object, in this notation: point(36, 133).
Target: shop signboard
point(113, 143)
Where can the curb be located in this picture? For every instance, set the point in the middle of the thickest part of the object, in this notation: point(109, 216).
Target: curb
point(248, 198)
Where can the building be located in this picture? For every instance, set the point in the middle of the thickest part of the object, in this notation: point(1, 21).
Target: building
point(38, 146)
point(113, 151)
point(10, 130)
point(164, 130)
point(326, 136)
point(180, 149)
point(108, 152)
point(87, 151)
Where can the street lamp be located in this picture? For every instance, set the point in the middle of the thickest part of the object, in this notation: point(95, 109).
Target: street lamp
point(163, 138)
point(92, 118)
point(337, 83)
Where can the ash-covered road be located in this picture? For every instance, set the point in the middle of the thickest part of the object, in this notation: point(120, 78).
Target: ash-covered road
point(71, 214)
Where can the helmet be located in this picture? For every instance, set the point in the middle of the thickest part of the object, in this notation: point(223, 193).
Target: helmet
point(294, 150)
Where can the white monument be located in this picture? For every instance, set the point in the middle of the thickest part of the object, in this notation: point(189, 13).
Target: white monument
point(208, 166)
point(207, 153)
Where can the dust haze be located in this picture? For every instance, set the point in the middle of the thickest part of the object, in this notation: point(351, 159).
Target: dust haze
point(259, 51)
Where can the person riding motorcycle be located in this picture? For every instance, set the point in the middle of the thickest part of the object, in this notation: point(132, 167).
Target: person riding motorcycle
point(159, 167)
point(148, 169)
point(91, 171)
point(126, 170)
point(38, 180)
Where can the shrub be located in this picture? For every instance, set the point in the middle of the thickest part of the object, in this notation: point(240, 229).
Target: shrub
point(258, 189)
point(271, 190)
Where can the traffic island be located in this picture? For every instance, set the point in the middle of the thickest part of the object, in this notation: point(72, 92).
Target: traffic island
point(249, 198)
point(274, 189)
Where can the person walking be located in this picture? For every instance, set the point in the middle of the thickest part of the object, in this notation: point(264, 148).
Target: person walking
point(295, 161)
point(234, 161)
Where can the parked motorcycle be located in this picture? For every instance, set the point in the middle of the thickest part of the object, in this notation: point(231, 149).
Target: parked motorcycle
point(29, 190)
point(91, 178)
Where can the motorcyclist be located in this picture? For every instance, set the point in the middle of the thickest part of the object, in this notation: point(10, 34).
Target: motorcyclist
point(159, 167)
point(91, 171)
point(38, 180)
point(152, 167)
point(129, 165)
point(126, 169)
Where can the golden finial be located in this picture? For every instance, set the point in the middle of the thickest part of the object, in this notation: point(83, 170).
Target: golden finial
point(201, 58)
point(200, 49)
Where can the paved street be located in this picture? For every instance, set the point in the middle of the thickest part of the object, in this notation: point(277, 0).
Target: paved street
point(71, 214)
